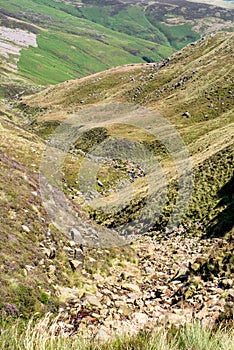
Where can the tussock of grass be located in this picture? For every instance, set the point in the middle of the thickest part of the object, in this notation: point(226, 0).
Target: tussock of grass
point(45, 334)
point(203, 338)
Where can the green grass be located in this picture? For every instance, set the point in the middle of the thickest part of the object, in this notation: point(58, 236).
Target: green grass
point(207, 140)
point(131, 20)
point(205, 137)
point(74, 47)
point(178, 35)
point(61, 56)
point(45, 334)
point(135, 21)
point(79, 42)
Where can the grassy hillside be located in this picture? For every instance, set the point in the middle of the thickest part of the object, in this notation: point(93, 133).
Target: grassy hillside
point(166, 277)
point(72, 46)
point(77, 40)
point(190, 76)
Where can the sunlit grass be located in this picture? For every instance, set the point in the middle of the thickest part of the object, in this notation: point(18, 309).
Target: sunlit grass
point(47, 334)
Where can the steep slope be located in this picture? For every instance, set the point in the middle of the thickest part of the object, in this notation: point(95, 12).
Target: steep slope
point(68, 45)
point(36, 260)
point(190, 82)
point(168, 275)
point(78, 39)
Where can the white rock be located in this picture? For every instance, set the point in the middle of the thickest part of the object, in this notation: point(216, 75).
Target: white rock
point(26, 228)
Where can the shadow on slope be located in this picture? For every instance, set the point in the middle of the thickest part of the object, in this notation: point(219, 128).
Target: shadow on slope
point(224, 220)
